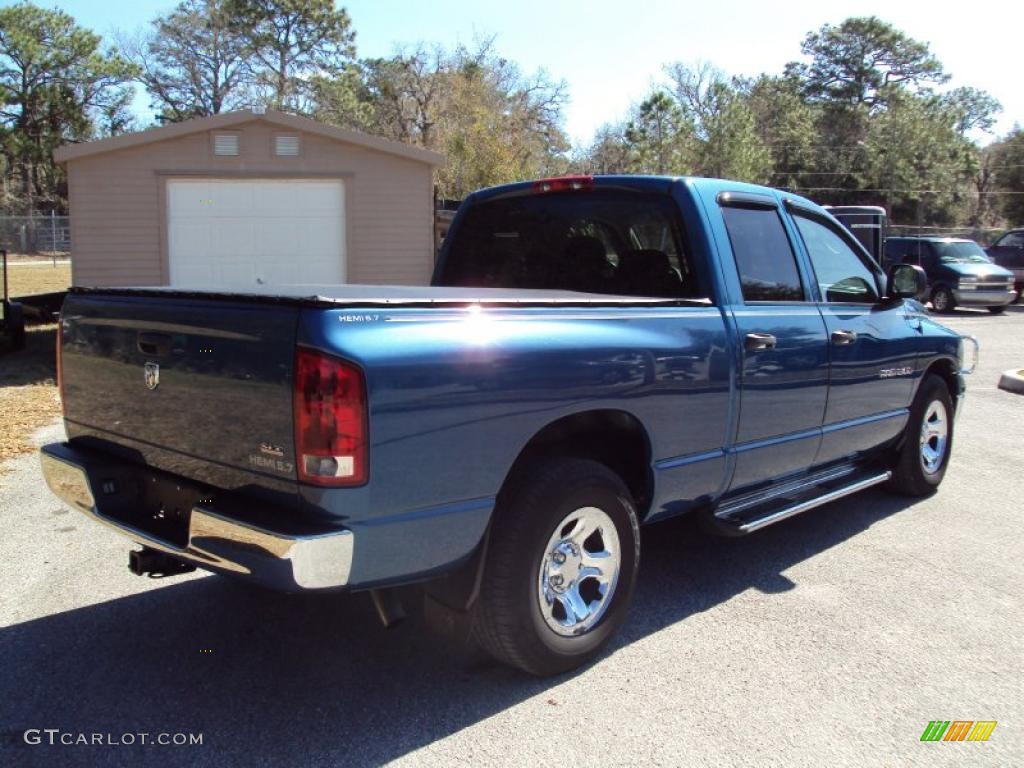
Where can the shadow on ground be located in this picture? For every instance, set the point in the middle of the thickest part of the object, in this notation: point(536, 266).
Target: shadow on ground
point(36, 364)
point(303, 679)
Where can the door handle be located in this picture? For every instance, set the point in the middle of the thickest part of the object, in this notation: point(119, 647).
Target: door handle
point(842, 338)
point(756, 341)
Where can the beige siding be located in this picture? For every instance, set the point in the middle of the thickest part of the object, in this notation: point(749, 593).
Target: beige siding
point(118, 204)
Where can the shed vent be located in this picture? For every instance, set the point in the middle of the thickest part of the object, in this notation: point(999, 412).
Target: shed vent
point(225, 144)
point(286, 146)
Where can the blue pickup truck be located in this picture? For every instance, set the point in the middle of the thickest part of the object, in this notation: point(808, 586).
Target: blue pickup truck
point(595, 354)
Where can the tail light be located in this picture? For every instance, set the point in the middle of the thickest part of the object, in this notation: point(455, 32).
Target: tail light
point(60, 365)
point(564, 184)
point(330, 420)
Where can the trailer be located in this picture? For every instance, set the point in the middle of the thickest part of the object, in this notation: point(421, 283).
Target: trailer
point(866, 223)
point(12, 317)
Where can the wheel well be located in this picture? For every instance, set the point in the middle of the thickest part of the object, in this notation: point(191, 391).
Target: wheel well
point(614, 438)
point(946, 371)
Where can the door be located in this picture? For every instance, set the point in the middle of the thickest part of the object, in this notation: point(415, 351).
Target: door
point(224, 233)
point(871, 344)
point(784, 371)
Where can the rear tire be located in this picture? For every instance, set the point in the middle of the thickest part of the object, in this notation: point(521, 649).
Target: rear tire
point(927, 442)
point(561, 565)
point(997, 310)
point(942, 300)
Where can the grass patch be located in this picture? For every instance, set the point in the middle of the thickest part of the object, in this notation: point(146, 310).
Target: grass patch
point(41, 277)
point(28, 391)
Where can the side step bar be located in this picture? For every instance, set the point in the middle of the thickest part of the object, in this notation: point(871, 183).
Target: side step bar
point(817, 482)
point(771, 516)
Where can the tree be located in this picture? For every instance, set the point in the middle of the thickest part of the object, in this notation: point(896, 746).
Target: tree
point(407, 91)
point(975, 110)
point(858, 61)
point(195, 61)
point(492, 123)
point(1008, 164)
point(918, 158)
point(660, 136)
point(786, 124)
point(732, 148)
point(984, 185)
point(609, 152)
point(495, 124)
point(293, 42)
point(344, 99)
point(723, 124)
point(55, 83)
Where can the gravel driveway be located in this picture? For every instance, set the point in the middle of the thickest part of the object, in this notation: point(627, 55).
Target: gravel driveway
point(829, 639)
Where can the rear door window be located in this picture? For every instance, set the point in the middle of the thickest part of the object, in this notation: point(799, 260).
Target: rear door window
point(764, 257)
point(594, 241)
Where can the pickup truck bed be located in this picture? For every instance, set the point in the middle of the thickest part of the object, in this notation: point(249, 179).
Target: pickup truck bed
point(450, 371)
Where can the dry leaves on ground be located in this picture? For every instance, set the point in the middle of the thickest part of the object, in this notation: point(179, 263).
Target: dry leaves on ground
point(28, 391)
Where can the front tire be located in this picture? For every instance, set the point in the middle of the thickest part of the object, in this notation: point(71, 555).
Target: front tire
point(927, 442)
point(997, 310)
point(561, 566)
point(942, 300)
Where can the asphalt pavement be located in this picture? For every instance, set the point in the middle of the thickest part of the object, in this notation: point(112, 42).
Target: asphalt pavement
point(829, 639)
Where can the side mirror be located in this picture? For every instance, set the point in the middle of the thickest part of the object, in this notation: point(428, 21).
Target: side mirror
point(906, 281)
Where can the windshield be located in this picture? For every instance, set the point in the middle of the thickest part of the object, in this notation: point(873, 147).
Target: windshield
point(961, 253)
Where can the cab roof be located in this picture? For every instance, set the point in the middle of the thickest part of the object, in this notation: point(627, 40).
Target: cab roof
point(640, 183)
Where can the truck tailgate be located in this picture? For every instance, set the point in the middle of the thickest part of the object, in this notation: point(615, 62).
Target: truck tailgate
point(199, 388)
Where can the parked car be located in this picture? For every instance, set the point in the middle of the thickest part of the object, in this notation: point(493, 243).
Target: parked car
point(685, 346)
point(959, 272)
point(1008, 251)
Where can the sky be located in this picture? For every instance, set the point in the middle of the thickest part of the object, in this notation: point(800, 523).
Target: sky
point(610, 52)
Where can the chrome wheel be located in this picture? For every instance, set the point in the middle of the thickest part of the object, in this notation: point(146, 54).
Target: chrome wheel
point(934, 436)
point(940, 300)
point(579, 571)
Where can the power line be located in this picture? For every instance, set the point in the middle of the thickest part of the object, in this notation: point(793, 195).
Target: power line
point(889, 191)
point(849, 172)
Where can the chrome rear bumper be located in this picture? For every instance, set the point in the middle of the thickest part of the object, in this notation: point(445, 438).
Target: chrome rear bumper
point(215, 542)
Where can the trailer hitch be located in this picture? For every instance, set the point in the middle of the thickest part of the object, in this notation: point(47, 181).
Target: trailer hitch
point(156, 564)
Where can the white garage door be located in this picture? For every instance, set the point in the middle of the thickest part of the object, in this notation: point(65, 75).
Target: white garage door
point(224, 234)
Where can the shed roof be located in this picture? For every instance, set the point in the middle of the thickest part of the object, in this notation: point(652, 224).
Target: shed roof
point(230, 119)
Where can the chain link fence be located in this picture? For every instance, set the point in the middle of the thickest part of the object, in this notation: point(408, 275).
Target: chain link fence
point(38, 233)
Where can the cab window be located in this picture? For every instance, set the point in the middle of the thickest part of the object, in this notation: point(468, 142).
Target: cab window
point(764, 258)
point(842, 275)
point(607, 241)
